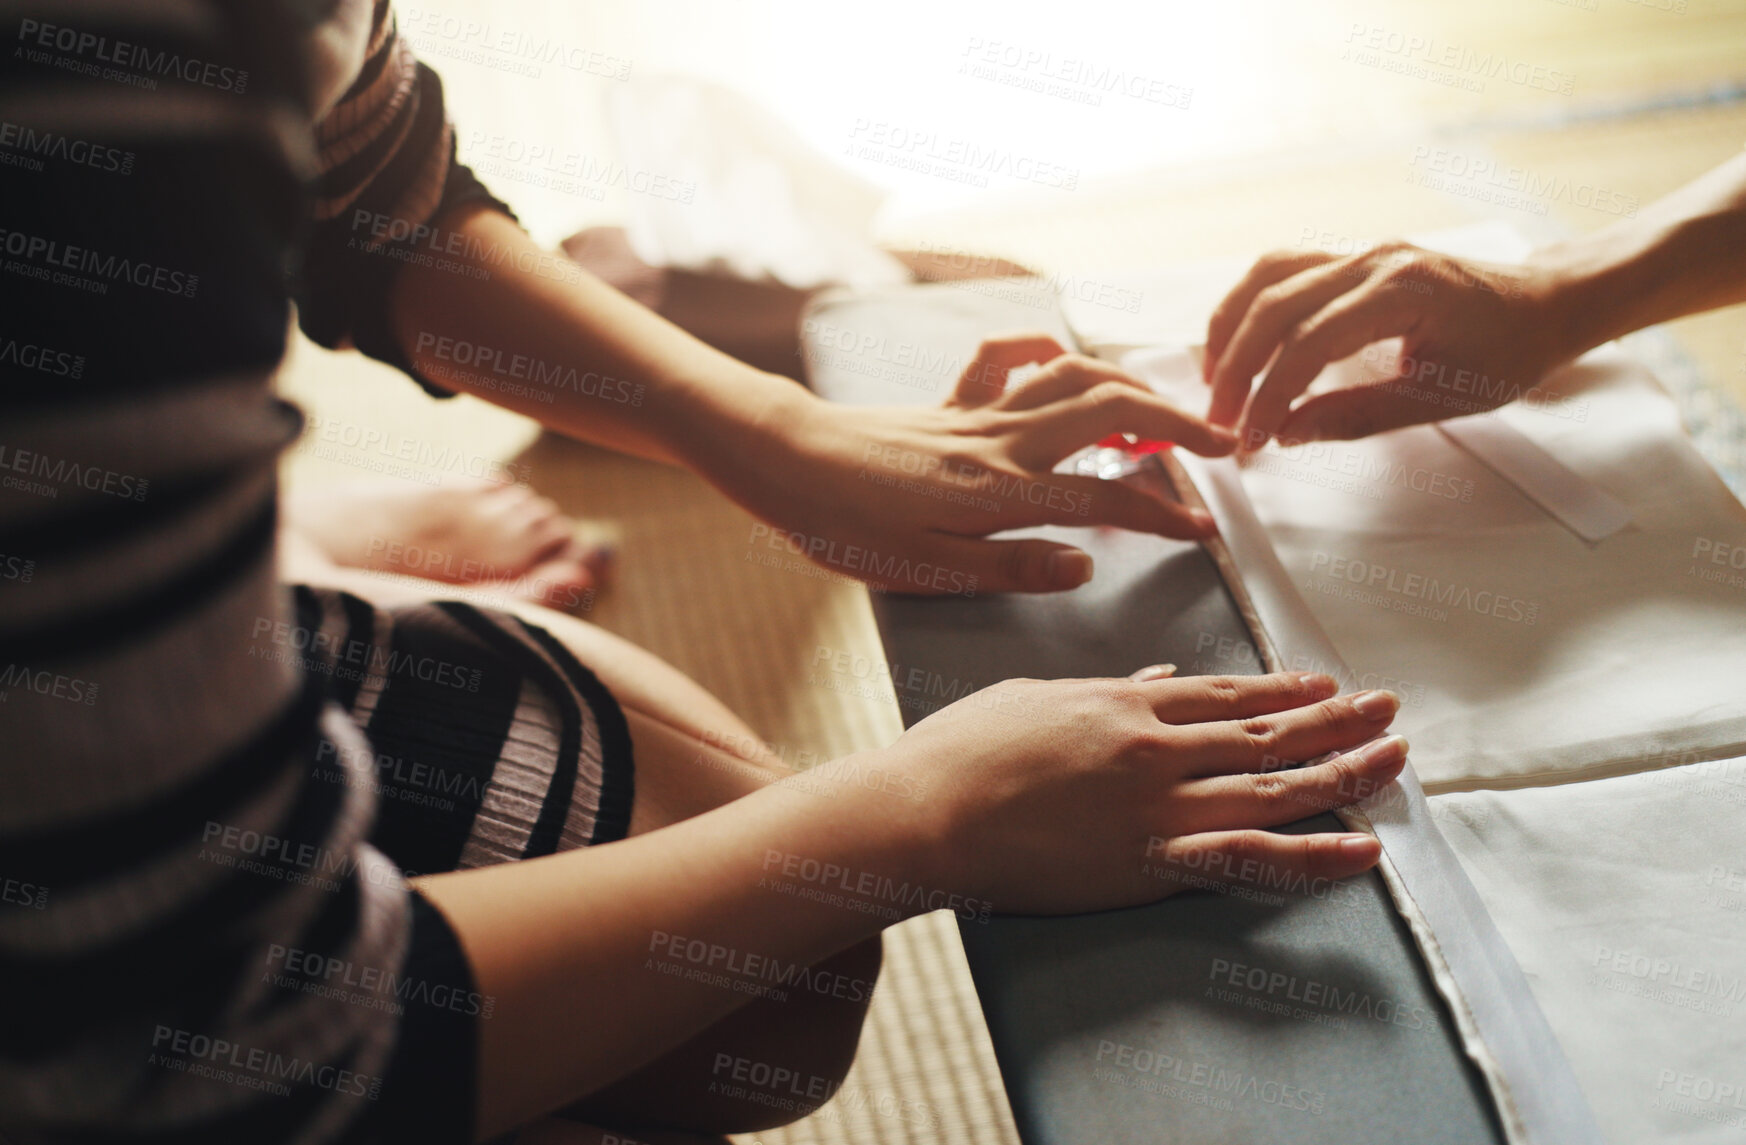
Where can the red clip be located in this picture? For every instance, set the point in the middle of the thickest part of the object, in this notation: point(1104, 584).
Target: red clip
point(1133, 446)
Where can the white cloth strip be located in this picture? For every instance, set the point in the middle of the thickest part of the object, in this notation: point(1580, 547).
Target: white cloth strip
point(1571, 499)
point(1503, 1029)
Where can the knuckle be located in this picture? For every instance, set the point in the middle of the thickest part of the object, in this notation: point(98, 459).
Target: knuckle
point(1401, 274)
point(1139, 742)
point(1107, 395)
point(1015, 563)
point(1297, 339)
point(1223, 690)
point(958, 459)
point(1262, 734)
point(1309, 334)
point(1103, 694)
point(1268, 300)
point(1346, 784)
point(1292, 686)
point(1247, 844)
point(1272, 786)
point(1411, 267)
point(995, 422)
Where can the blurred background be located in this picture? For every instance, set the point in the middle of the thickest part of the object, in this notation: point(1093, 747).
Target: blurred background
point(1078, 138)
point(1099, 135)
point(1115, 91)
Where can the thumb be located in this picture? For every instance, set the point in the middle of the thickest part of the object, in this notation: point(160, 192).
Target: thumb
point(1027, 565)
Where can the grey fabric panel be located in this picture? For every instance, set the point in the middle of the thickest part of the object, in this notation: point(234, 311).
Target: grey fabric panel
point(1382, 1053)
point(1363, 1052)
point(1065, 998)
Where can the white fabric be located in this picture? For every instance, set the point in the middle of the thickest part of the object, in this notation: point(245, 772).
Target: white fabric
point(1525, 650)
point(738, 192)
point(1537, 1097)
point(1567, 702)
point(1624, 900)
point(1580, 505)
point(1521, 651)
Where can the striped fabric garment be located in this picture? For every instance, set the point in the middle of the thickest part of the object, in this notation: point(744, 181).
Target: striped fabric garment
point(489, 742)
point(386, 153)
point(178, 810)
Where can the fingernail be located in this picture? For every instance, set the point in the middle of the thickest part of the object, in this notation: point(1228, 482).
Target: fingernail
point(1389, 749)
point(1203, 521)
point(1376, 705)
point(1154, 672)
point(1068, 568)
point(1360, 846)
point(1317, 682)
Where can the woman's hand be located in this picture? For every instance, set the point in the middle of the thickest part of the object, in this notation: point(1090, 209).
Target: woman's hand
point(905, 497)
point(1474, 336)
point(1078, 795)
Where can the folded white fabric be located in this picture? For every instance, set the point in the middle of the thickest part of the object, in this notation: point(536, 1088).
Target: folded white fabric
point(1522, 652)
point(1566, 623)
point(1624, 900)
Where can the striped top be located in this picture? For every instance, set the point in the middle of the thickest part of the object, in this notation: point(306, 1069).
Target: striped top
point(181, 810)
point(387, 170)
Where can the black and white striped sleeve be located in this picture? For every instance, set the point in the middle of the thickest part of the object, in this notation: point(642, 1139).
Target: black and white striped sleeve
point(179, 818)
point(386, 175)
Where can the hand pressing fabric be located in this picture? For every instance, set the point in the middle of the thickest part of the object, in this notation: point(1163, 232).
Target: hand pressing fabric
point(906, 497)
point(1063, 796)
point(902, 498)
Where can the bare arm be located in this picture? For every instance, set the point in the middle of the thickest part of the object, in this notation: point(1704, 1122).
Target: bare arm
point(1683, 254)
point(1043, 798)
point(914, 490)
point(619, 375)
point(1297, 311)
point(571, 947)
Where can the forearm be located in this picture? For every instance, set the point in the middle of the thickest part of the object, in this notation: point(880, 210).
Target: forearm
point(615, 373)
point(567, 946)
point(1682, 254)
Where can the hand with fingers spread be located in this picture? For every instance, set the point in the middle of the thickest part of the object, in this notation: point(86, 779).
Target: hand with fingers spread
point(1079, 795)
point(905, 497)
point(1474, 335)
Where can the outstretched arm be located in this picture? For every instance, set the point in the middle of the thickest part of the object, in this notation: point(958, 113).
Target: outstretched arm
point(413, 262)
point(1462, 321)
point(1043, 798)
point(1683, 254)
point(900, 497)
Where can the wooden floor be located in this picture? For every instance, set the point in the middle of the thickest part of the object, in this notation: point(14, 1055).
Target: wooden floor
point(1293, 130)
